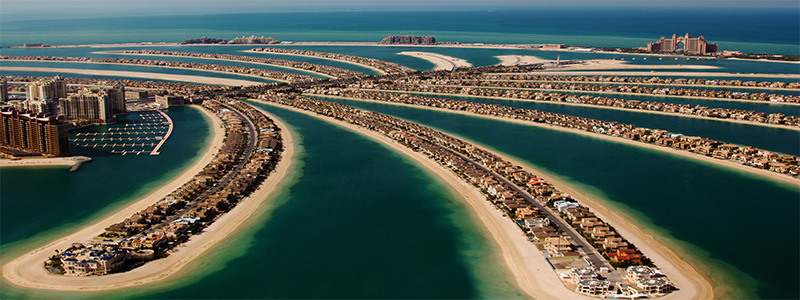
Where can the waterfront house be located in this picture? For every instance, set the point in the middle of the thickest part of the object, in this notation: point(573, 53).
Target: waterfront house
point(95, 259)
point(594, 287)
point(656, 285)
point(558, 245)
point(635, 273)
point(526, 212)
point(532, 223)
point(580, 274)
point(625, 255)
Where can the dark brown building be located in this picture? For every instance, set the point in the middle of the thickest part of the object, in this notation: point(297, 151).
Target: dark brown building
point(22, 132)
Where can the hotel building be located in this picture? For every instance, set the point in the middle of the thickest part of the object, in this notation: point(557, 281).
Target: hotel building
point(690, 45)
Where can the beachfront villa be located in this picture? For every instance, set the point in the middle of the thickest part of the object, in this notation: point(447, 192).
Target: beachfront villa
point(581, 274)
point(596, 287)
point(93, 260)
point(648, 280)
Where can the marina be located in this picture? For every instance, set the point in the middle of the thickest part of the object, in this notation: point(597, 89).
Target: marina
point(145, 133)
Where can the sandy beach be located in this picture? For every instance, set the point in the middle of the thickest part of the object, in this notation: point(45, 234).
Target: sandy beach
point(604, 106)
point(654, 84)
point(532, 275)
point(43, 161)
point(288, 43)
point(666, 73)
point(27, 271)
point(154, 66)
point(220, 59)
point(724, 163)
point(442, 62)
point(515, 60)
point(592, 64)
point(606, 64)
point(145, 75)
point(381, 72)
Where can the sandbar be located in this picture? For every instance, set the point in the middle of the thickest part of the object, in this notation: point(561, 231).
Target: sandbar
point(767, 174)
point(531, 273)
point(644, 111)
point(43, 161)
point(442, 62)
point(27, 270)
point(381, 72)
point(221, 59)
point(608, 64)
point(515, 60)
point(663, 73)
point(146, 75)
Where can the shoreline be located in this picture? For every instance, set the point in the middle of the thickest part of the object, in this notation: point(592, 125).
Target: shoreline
point(528, 47)
point(44, 161)
point(606, 64)
point(593, 106)
point(150, 66)
point(379, 71)
point(766, 174)
point(222, 59)
point(144, 75)
point(29, 265)
point(441, 61)
point(531, 273)
point(664, 73)
point(653, 84)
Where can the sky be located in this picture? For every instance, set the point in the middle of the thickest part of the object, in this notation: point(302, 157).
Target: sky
point(31, 9)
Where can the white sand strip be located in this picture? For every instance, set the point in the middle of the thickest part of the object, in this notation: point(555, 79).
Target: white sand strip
point(145, 75)
point(532, 274)
point(379, 71)
point(442, 62)
point(43, 161)
point(27, 270)
point(667, 73)
point(516, 60)
point(220, 59)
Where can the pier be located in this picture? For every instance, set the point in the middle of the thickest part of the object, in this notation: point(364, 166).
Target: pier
point(166, 136)
point(132, 137)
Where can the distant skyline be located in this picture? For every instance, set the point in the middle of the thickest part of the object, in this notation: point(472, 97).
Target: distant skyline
point(33, 9)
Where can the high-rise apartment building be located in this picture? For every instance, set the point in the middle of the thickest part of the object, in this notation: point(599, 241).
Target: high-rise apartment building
point(4, 91)
point(43, 95)
point(95, 107)
point(32, 133)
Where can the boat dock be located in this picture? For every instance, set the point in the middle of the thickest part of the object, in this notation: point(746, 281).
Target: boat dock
point(145, 135)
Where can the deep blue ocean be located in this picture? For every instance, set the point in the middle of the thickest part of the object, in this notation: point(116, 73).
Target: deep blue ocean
point(749, 30)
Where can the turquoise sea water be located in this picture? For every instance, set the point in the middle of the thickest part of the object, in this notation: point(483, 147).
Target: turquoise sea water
point(331, 222)
point(102, 183)
point(751, 30)
point(681, 198)
point(475, 56)
point(129, 68)
point(346, 218)
point(360, 222)
point(40, 204)
point(773, 139)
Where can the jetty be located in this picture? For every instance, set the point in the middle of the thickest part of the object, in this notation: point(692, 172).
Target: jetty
point(147, 135)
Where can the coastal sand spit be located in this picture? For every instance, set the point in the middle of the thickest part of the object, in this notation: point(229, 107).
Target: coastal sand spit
point(27, 271)
point(145, 75)
point(522, 259)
